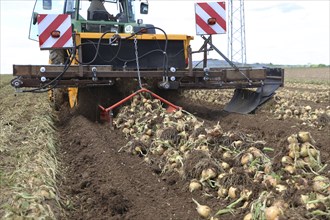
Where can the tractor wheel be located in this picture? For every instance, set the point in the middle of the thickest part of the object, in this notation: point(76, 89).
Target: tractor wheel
point(58, 96)
point(56, 56)
point(89, 99)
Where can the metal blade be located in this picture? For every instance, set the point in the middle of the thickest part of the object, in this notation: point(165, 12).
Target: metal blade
point(244, 101)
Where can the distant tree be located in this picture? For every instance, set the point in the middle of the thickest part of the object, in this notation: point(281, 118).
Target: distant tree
point(321, 65)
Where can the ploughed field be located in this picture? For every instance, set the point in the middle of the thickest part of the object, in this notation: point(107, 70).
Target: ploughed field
point(198, 163)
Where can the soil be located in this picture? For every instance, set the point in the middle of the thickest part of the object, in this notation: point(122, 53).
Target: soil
point(103, 182)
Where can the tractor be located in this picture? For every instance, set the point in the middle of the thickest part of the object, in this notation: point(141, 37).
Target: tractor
point(97, 46)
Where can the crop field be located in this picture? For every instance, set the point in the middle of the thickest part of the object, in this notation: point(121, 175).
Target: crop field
point(197, 163)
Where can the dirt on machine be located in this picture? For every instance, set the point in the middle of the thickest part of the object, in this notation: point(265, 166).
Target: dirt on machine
point(102, 54)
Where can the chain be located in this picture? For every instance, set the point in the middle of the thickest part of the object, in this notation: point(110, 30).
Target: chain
point(137, 61)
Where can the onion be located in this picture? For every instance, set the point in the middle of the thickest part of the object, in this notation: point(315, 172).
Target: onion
point(294, 154)
point(320, 183)
point(237, 143)
point(286, 160)
point(126, 130)
point(45, 194)
point(144, 100)
point(300, 163)
point(159, 150)
point(305, 136)
point(272, 213)
point(232, 192)
point(290, 169)
point(304, 149)
point(258, 177)
point(145, 138)
point(294, 147)
point(178, 114)
point(222, 192)
point(292, 139)
point(225, 165)
point(222, 175)
point(304, 199)
point(270, 180)
point(203, 210)
point(246, 158)
point(149, 132)
point(208, 173)
point(181, 125)
point(204, 148)
point(245, 194)
point(216, 131)
point(268, 168)
point(308, 108)
point(288, 112)
point(255, 152)
point(280, 188)
point(296, 112)
point(248, 216)
point(226, 155)
point(314, 153)
point(194, 185)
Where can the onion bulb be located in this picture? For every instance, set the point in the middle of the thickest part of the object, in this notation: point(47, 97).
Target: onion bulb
point(294, 147)
point(304, 199)
point(290, 169)
point(194, 185)
point(208, 173)
point(149, 132)
point(232, 192)
point(255, 152)
point(269, 180)
point(225, 165)
point(226, 155)
point(246, 158)
point(178, 114)
point(286, 160)
point(222, 192)
point(248, 216)
point(237, 143)
point(203, 210)
point(292, 139)
point(320, 183)
point(281, 188)
point(272, 213)
point(305, 136)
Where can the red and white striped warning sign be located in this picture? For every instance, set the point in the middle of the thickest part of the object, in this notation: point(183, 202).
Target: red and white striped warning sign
point(54, 31)
point(210, 18)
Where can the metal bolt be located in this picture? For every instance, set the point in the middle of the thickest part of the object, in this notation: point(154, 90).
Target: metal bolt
point(43, 79)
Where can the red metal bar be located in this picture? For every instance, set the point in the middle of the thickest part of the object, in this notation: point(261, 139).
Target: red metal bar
point(107, 111)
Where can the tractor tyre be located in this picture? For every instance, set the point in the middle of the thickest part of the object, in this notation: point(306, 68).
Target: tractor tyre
point(58, 95)
point(56, 56)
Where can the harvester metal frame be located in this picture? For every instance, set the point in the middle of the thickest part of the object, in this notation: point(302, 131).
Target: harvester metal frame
point(100, 59)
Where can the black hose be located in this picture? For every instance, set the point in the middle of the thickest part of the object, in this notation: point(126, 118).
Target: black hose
point(72, 56)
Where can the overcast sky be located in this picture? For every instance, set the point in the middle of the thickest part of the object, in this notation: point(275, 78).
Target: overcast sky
point(278, 32)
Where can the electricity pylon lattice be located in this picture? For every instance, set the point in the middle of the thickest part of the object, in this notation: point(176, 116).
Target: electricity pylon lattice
point(236, 32)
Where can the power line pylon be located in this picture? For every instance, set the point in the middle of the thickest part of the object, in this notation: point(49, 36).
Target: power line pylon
point(236, 32)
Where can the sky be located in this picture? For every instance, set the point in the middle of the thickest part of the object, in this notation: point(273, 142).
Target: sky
point(278, 32)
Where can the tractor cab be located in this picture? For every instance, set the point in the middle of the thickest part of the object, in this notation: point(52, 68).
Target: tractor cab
point(97, 16)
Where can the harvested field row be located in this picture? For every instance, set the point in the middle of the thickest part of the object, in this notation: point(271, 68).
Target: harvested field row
point(28, 163)
point(155, 165)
